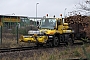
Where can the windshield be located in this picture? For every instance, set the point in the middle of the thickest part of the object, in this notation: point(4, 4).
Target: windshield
point(48, 23)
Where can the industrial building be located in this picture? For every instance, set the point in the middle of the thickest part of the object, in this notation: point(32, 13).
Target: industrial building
point(10, 21)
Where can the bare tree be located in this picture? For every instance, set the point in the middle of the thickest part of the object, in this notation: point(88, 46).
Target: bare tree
point(84, 7)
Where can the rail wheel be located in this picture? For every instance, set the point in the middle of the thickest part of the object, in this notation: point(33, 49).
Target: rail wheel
point(56, 41)
point(39, 44)
point(29, 41)
point(50, 44)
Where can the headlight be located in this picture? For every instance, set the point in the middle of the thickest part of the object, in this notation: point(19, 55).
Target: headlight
point(26, 36)
point(50, 36)
point(34, 32)
point(72, 31)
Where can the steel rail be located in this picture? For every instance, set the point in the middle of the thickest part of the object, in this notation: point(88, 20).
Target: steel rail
point(2, 50)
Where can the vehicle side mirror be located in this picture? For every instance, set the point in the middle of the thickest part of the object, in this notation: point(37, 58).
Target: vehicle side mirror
point(37, 23)
point(38, 27)
point(54, 27)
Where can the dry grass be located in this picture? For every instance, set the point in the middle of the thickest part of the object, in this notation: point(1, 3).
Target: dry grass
point(47, 54)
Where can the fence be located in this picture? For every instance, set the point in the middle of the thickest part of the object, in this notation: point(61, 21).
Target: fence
point(12, 27)
point(9, 24)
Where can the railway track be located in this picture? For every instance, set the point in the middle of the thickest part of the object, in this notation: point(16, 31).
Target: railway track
point(17, 49)
point(61, 47)
point(2, 50)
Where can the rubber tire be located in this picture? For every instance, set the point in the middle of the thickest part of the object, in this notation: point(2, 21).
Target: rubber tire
point(55, 41)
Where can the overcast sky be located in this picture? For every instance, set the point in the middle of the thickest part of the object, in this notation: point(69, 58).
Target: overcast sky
point(28, 7)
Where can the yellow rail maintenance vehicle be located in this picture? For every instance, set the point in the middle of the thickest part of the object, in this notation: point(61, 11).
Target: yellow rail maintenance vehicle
point(52, 32)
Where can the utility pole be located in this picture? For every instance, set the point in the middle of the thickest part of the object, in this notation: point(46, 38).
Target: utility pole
point(36, 12)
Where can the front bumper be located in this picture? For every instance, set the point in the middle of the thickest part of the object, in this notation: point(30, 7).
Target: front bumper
point(34, 39)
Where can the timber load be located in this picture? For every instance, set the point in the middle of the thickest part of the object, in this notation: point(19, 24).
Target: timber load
point(80, 24)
